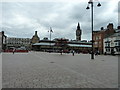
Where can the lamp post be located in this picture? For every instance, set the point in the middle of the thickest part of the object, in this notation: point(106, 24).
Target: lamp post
point(91, 2)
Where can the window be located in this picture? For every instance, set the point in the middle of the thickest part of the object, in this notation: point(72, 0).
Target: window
point(97, 38)
point(107, 49)
point(108, 44)
point(116, 44)
point(96, 43)
point(105, 44)
point(118, 49)
point(112, 43)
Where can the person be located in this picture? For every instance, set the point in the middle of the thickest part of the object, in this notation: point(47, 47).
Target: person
point(96, 53)
point(61, 52)
point(73, 52)
point(13, 50)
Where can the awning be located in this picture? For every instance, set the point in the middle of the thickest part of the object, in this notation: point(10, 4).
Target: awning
point(77, 45)
point(44, 44)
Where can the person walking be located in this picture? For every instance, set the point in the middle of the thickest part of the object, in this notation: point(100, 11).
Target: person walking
point(96, 52)
point(73, 52)
point(61, 52)
point(13, 50)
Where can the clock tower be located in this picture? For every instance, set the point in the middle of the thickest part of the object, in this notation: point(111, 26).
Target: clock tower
point(78, 33)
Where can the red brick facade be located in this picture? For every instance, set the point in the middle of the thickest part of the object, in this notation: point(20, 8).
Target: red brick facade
point(98, 37)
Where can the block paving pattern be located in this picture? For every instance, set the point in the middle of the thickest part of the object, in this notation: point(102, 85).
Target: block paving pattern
point(52, 70)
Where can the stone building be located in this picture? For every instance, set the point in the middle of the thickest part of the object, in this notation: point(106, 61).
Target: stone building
point(78, 33)
point(35, 38)
point(18, 42)
point(99, 35)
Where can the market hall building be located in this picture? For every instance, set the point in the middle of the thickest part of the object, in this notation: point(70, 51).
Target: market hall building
point(62, 44)
point(59, 44)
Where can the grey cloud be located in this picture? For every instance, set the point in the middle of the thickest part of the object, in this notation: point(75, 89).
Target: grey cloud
point(119, 13)
point(62, 17)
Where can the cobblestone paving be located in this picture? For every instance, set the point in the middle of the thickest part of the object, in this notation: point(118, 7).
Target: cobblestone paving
point(52, 70)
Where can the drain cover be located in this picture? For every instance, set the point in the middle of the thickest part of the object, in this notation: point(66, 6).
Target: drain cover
point(52, 62)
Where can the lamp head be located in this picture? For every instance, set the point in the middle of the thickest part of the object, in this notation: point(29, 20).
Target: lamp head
point(91, 1)
point(88, 7)
point(99, 5)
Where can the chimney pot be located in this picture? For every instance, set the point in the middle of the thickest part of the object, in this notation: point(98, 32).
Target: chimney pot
point(102, 28)
point(118, 27)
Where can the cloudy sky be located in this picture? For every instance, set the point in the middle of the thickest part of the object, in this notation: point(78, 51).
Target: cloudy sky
point(22, 19)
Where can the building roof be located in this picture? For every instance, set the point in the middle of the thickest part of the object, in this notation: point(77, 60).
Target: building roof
point(117, 41)
point(46, 44)
point(77, 45)
point(72, 45)
point(114, 35)
point(79, 42)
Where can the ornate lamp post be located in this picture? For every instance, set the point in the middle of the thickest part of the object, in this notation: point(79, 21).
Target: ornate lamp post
point(91, 2)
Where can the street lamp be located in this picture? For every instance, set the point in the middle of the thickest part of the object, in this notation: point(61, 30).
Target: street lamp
point(91, 2)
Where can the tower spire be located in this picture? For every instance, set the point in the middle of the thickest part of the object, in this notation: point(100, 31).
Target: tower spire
point(78, 33)
point(78, 27)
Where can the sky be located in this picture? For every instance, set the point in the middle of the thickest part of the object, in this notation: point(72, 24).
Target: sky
point(22, 19)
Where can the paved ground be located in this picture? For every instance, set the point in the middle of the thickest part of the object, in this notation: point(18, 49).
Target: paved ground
point(0, 71)
point(52, 70)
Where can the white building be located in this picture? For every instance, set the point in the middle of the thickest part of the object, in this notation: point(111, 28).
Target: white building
point(112, 43)
point(18, 42)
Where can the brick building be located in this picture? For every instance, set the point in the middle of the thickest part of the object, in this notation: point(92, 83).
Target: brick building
point(98, 37)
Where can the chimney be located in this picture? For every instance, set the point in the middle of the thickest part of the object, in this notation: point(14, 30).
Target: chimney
point(35, 33)
point(110, 26)
point(118, 27)
point(2, 32)
point(102, 28)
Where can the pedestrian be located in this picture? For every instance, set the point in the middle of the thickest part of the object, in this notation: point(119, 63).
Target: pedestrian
point(96, 53)
point(13, 50)
point(61, 52)
point(73, 52)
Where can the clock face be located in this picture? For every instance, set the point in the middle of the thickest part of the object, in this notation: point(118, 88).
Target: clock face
point(78, 32)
